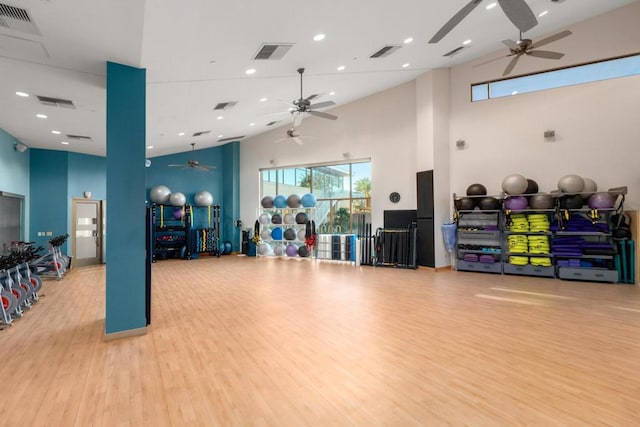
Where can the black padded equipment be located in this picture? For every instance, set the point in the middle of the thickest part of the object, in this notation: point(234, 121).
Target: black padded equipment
point(465, 204)
point(571, 202)
point(476, 190)
point(532, 187)
point(489, 204)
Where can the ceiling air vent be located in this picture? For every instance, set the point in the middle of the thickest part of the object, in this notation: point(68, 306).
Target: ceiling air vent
point(386, 51)
point(17, 19)
point(225, 105)
point(80, 138)
point(272, 123)
point(202, 132)
point(454, 51)
point(56, 102)
point(233, 138)
point(273, 51)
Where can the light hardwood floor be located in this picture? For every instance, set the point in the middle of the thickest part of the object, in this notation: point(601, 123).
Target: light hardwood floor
point(242, 341)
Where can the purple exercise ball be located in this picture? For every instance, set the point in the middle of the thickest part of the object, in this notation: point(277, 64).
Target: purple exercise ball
point(516, 203)
point(602, 201)
point(292, 250)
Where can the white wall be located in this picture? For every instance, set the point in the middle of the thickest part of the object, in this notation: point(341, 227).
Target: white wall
point(381, 127)
point(597, 125)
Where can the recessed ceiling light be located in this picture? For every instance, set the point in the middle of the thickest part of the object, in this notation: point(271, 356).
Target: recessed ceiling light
point(408, 40)
point(332, 93)
point(23, 94)
point(250, 71)
point(263, 99)
point(252, 124)
point(55, 132)
point(41, 116)
point(220, 117)
point(149, 147)
point(515, 92)
point(318, 37)
point(64, 143)
point(291, 109)
point(466, 42)
point(406, 65)
point(491, 5)
point(220, 136)
point(341, 68)
point(181, 134)
point(543, 13)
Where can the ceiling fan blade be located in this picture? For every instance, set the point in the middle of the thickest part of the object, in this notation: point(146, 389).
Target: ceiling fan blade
point(202, 168)
point(455, 20)
point(551, 39)
point(547, 54)
point(322, 105)
point(492, 60)
point(323, 115)
point(511, 65)
point(297, 140)
point(519, 13)
point(511, 44)
point(176, 166)
point(277, 141)
point(297, 119)
point(314, 96)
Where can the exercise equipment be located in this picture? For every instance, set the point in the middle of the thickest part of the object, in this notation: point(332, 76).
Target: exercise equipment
point(476, 190)
point(278, 249)
point(177, 199)
point(397, 247)
point(308, 200)
point(276, 233)
point(265, 234)
point(227, 248)
point(280, 201)
point(516, 203)
point(541, 201)
point(203, 198)
point(514, 184)
point(532, 187)
point(205, 236)
point(465, 204)
point(489, 204)
point(178, 213)
point(302, 234)
point(290, 234)
point(276, 218)
point(602, 200)
point(267, 202)
point(293, 201)
point(590, 187)
point(289, 218)
point(571, 184)
point(303, 251)
point(573, 201)
point(264, 218)
point(160, 194)
point(292, 250)
point(302, 218)
point(263, 249)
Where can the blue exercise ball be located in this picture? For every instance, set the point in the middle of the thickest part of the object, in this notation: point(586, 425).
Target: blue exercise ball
point(280, 201)
point(276, 233)
point(308, 200)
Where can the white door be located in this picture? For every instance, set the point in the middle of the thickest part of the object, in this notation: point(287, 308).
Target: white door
point(87, 232)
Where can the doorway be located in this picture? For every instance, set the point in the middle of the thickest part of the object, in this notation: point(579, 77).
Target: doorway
point(86, 243)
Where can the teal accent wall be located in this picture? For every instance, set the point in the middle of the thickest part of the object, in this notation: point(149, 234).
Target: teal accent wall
point(126, 97)
point(231, 198)
point(87, 173)
point(14, 173)
point(49, 195)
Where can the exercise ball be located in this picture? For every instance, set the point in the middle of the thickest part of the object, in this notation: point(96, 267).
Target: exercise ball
point(541, 201)
point(571, 184)
point(280, 201)
point(514, 184)
point(290, 234)
point(556, 193)
point(265, 234)
point(532, 187)
point(276, 218)
point(302, 234)
point(177, 199)
point(267, 202)
point(293, 201)
point(590, 187)
point(177, 213)
point(278, 249)
point(489, 204)
point(289, 218)
point(465, 204)
point(263, 249)
point(302, 218)
point(292, 250)
point(203, 198)
point(160, 194)
point(308, 200)
point(303, 251)
point(571, 202)
point(602, 201)
point(227, 248)
point(516, 203)
point(476, 190)
point(264, 218)
point(276, 233)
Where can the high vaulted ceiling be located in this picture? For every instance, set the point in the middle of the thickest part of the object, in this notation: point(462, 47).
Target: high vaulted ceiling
point(196, 53)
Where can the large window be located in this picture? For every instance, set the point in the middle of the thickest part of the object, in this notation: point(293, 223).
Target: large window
point(343, 191)
point(604, 70)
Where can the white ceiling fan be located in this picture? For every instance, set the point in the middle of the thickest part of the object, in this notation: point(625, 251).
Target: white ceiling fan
point(192, 163)
point(294, 136)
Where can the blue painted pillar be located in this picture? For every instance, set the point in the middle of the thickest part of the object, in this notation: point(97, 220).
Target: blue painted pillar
point(126, 96)
point(231, 194)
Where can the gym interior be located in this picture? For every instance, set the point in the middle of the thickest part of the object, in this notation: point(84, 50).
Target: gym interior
point(186, 313)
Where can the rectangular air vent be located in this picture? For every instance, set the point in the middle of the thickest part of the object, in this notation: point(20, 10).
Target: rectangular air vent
point(17, 19)
point(271, 123)
point(202, 132)
point(233, 138)
point(80, 138)
point(386, 51)
point(225, 105)
point(454, 51)
point(56, 102)
point(272, 51)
